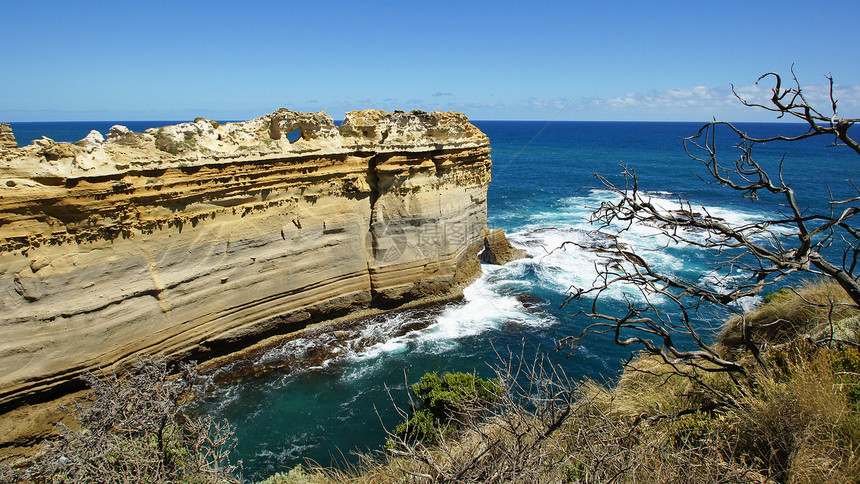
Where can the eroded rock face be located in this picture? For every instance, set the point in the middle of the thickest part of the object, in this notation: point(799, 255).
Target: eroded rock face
point(498, 250)
point(7, 137)
point(195, 239)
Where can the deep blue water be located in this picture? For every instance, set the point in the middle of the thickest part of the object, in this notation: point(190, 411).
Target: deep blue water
point(71, 131)
point(542, 192)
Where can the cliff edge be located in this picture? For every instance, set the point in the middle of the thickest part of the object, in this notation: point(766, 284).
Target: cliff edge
point(197, 239)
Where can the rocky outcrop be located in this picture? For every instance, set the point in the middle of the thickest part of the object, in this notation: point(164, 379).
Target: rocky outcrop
point(7, 137)
point(196, 239)
point(498, 250)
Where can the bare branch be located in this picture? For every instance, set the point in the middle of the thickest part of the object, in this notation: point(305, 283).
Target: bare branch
point(663, 310)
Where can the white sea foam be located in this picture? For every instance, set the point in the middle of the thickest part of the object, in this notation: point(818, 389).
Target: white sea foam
point(566, 248)
point(723, 283)
point(565, 251)
point(487, 303)
point(286, 453)
point(222, 396)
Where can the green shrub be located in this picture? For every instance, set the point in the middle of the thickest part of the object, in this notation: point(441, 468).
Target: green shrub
point(693, 429)
point(166, 143)
point(346, 132)
point(444, 400)
point(422, 426)
point(574, 472)
point(782, 293)
point(451, 393)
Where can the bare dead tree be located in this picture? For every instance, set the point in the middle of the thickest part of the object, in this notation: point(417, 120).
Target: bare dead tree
point(801, 249)
point(665, 316)
point(792, 102)
point(134, 428)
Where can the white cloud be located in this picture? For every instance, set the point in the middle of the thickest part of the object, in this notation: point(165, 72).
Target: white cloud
point(554, 103)
point(674, 99)
point(692, 103)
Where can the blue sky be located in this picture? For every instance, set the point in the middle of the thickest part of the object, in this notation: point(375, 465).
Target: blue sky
point(566, 60)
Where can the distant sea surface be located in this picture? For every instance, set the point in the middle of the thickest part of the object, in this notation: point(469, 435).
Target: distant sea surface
point(542, 192)
point(71, 131)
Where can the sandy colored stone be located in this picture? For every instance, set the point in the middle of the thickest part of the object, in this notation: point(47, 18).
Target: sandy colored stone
point(7, 137)
point(498, 250)
point(199, 239)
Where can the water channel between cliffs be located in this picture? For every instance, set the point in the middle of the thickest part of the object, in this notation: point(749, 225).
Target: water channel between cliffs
point(329, 394)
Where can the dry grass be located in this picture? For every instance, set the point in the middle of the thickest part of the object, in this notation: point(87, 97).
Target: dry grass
point(803, 424)
point(597, 435)
point(800, 424)
point(650, 387)
point(815, 308)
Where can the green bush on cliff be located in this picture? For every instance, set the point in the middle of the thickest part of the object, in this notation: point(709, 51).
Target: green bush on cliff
point(167, 144)
point(347, 132)
point(444, 400)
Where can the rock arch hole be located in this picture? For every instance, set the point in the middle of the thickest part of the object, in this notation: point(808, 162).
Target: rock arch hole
point(294, 136)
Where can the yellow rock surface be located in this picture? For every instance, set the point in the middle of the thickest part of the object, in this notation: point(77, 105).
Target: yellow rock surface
point(194, 240)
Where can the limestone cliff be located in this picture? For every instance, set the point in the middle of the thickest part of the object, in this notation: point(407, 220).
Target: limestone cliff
point(7, 137)
point(194, 239)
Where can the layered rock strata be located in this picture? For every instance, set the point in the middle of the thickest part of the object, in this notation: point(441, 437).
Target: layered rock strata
point(7, 137)
point(193, 240)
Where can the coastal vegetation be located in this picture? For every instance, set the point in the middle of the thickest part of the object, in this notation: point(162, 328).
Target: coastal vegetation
point(445, 401)
point(136, 427)
point(795, 420)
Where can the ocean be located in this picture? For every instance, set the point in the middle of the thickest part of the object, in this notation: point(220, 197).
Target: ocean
point(342, 393)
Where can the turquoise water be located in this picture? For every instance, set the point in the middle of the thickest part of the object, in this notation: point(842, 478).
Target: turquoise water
point(542, 192)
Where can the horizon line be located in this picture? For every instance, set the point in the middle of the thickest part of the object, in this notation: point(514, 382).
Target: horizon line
point(775, 121)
